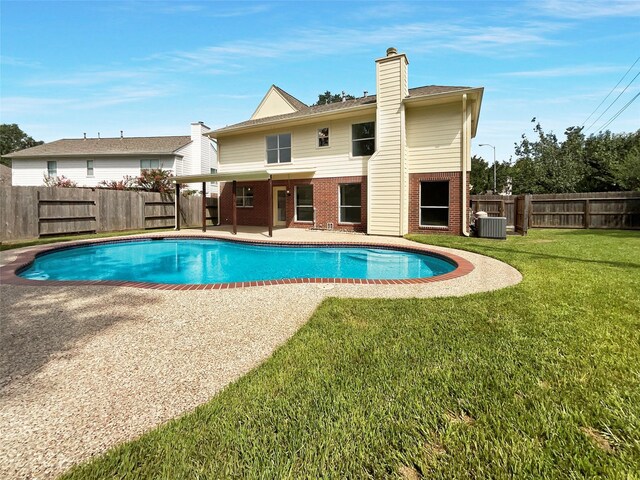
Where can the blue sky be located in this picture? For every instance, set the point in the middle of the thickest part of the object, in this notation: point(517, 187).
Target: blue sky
point(152, 67)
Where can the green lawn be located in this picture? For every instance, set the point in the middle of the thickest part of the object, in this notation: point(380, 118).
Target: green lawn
point(540, 380)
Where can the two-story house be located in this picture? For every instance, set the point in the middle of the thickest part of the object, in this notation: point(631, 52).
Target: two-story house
point(385, 164)
point(89, 161)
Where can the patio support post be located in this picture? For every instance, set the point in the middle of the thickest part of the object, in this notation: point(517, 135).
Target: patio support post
point(177, 207)
point(204, 206)
point(234, 207)
point(270, 204)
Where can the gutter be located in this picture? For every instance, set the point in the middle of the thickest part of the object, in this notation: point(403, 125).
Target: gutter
point(463, 162)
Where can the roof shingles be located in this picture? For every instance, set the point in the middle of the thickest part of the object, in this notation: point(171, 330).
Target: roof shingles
point(304, 110)
point(106, 146)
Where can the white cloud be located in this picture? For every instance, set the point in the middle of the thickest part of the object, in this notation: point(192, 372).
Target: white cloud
point(480, 39)
point(573, 9)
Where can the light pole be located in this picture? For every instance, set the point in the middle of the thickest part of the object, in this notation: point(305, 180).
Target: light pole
point(494, 163)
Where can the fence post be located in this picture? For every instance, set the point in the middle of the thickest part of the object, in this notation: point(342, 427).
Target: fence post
point(501, 209)
point(587, 213)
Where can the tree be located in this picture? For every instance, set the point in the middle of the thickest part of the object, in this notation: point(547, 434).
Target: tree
point(479, 176)
point(549, 167)
point(328, 97)
point(13, 139)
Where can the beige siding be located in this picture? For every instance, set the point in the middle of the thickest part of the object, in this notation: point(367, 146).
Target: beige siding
point(385, 181)
point(433, 138)
point(272, 104)
point(248, 152)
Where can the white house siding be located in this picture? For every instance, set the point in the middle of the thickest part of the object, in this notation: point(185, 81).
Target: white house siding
point(243, 153)
point(386, 180)
point(433, 138)
point(31, 172)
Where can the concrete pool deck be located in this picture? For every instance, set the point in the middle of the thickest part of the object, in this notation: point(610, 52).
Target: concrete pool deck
point(84, 368)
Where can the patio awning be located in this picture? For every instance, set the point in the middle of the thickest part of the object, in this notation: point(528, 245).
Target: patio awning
point(276, 173)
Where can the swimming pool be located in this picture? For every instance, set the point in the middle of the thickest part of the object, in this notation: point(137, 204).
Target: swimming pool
point(180, 261)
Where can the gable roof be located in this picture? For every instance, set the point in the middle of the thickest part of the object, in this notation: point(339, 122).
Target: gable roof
point(295, 103)
point(106, 146)
point(346, 105)
point(277, 102)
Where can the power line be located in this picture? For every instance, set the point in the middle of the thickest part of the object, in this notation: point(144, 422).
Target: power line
point(619, 112)
point(605, 98)
point(611, 104)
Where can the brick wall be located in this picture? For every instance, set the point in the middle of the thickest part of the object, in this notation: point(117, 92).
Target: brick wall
point(455, 210)
point(325, 200)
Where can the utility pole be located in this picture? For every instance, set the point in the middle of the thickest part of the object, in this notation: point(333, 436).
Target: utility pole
point(494, 164)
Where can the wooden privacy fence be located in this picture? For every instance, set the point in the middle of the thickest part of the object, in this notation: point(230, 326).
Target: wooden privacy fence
point(563, 210)
point(30, 212)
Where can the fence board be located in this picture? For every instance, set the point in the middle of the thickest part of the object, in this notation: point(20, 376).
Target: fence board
point(27, 212)
point(571, 210)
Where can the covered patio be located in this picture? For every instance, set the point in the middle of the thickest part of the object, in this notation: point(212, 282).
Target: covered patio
point(268, 175)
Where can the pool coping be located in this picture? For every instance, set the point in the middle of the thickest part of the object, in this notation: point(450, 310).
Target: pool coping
point(9, 273)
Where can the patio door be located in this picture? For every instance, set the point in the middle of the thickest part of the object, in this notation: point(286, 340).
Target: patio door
point(279, 206)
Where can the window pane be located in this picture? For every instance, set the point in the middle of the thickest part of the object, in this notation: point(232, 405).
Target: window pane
point(52, 168)
point(436, 217)
point(350, 214)
point(350, 194)
point(364, 147)
point(434, 194)
point(154, 164)
point(285, 140)
point(272, 156)
point(272, 142)
point(304, 214)
point(363, 130)
point(285, 155)
point(323, 137)
point(304, 195)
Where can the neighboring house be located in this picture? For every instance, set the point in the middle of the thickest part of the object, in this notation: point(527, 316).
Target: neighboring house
point(385, 164)
point(88, 161)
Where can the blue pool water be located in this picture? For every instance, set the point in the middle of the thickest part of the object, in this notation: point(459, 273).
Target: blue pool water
point(194, 261)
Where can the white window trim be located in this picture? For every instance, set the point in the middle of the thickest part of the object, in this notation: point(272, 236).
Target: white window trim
point(295, 204)
point(266, 157)
point(328, 145)
point(92, 175)
point(351, 155)
point(244, 197)
point(420, 207)
point(340, 206)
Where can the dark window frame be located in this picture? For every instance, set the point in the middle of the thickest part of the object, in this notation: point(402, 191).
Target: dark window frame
point(357, 142)
point(244, 197)
point(341, 206)
point(423, 207)
point(305, 207)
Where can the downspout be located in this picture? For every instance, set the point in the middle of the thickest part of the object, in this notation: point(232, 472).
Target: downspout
point(463, 162)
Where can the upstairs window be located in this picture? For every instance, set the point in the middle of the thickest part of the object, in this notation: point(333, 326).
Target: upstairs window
point(149, 164)
point(279, 148)
point(89, 168)
point(244, 197)
point(52, 168)
point(434, 204)
point(363, 139)
point(323, 137)
point(304, 203)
